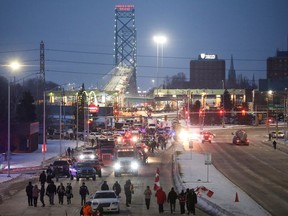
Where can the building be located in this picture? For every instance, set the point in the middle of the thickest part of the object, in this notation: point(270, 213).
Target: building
point(207, 72)
point(277, 73)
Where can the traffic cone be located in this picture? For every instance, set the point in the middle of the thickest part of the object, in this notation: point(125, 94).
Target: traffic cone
point(236, 197)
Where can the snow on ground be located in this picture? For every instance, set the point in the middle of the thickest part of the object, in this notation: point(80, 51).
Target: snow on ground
point(195, 174)
point(35, 159)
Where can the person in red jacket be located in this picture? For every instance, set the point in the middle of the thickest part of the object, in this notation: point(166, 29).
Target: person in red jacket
point(161, 198)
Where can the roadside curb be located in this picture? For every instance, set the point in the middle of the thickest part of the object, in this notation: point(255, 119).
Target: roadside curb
point(203, 203)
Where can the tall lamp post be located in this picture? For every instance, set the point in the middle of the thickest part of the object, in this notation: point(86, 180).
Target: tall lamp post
point(14, 66)
point(159, 40)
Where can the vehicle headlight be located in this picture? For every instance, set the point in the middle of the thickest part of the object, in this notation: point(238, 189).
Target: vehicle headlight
point(119, 139)
point(81, 157)
point(117, 166)
point(79, 171)
point(183, 135)
point(114, 203)
point(145, 150)
point(134, 165)
point(134, 139)
point(92, 156)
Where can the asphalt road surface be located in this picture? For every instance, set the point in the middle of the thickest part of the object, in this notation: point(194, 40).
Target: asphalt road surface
point(258, 169)
point(18, 205)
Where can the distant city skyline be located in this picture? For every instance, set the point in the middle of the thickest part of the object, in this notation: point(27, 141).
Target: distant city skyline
point(79, 37)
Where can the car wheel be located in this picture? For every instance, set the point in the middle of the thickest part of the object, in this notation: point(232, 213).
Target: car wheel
point(136, 174)
point(94, 178)
point(87, 178)
point(71, 177)
point(77, 178)
point(100, 174)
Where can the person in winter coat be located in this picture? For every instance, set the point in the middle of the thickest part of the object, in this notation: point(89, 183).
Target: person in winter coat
point(117, 188)
point(29, 193)
point(83, 191)
point(161, 198)
point(129, 189)
point(191, 200)
point(68, 193)
point(42, 194)
point(186, 194)
point(35, 194)
point(51, 191)
point(87, 209)
point(172, 197)
point(147, 194)
point(182, 201)
point(42, 178)
point(104, 186)
point(61, 193)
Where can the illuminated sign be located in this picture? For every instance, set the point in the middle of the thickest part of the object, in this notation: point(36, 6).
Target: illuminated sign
point(207, 56)
point(124, 7)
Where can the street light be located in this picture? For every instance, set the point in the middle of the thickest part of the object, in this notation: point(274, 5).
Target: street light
point(159, 39)
point(14, 66)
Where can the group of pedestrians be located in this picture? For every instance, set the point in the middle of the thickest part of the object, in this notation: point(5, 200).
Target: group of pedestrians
point(186, 199)
point(33, 192)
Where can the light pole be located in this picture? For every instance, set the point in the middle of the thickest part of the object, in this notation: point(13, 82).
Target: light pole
point(160, 39)
point(223, 117)
point(14, 66)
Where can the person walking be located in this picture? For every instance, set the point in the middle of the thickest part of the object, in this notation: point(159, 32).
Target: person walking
point(35, 194)
point(147, 194)
point(274, 144)
point(42, 178)
point(69, 152)
point(104, 186)
point(172, 197)
point(192, 200)
point(51, 191)
point(61, 193)
point(83, 191)
point(29, 193)
point(117, 188)
point(182, 201)
point(68, 193)
point(87, 209)
point(42, 194)
point(161, 198)
point(186, 194)
point(129, 189)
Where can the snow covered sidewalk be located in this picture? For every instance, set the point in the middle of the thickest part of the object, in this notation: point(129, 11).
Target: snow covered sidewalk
point(217, 195)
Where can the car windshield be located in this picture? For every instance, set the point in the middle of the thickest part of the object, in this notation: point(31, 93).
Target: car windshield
point(83, 165)
point(60, 163)
point(105, 195)
point(125, 154)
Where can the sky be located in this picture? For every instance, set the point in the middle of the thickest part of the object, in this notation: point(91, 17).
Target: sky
point(79, 36)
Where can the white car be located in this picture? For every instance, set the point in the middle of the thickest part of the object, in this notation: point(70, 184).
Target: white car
point(107, 199)
point(87, 155)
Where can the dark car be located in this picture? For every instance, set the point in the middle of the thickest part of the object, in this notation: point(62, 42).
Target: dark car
point(60, 168)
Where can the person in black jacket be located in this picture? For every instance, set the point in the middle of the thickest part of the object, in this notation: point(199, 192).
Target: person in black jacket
point(51, 191)
point(83, 193)
point(42, 178)
point(172, 197)
point(129, 189)
point(117, 188)
point(42, 194)
point(191, 200)
point(104, 186)
point(29, 189)
point(61, 193)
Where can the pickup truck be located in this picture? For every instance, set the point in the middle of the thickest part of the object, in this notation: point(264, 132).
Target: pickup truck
point(60, 168)
point(82, 170)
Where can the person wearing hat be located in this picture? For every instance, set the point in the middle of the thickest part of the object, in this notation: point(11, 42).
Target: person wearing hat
point(83, 191)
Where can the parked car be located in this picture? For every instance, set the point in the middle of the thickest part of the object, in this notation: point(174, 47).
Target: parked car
point(107, 199)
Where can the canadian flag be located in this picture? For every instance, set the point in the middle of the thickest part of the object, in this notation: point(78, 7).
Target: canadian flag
point(157, 180)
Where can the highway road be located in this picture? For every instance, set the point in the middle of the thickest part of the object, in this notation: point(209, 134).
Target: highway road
point(17, 204)
point(258, 169)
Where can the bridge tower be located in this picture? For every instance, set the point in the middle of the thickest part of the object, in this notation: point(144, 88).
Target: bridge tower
point(125, 42)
